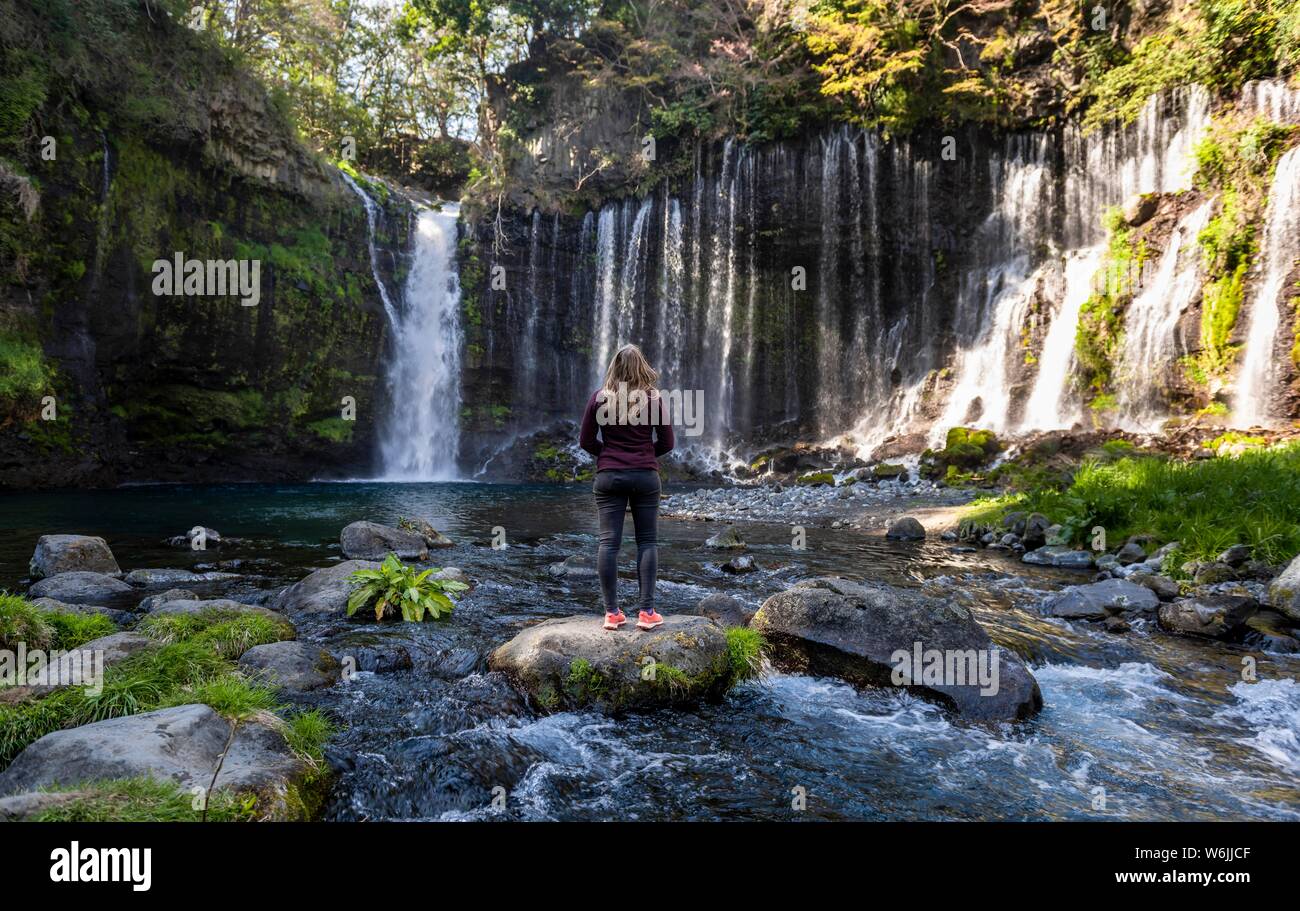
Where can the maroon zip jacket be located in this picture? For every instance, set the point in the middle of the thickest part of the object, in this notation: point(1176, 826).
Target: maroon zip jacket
point(624, 446)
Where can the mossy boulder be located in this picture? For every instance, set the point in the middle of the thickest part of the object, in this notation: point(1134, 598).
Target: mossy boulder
point(816, 479)
point(965, 449)
point(574, 663)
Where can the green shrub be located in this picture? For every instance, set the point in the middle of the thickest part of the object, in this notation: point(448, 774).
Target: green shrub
point(24, 373)
point(228, 633)
point(22, 621)
point(395, 589)
point(74, 630)
point(745, 648)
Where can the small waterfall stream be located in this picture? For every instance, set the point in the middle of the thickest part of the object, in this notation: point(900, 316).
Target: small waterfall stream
point(1258, 379)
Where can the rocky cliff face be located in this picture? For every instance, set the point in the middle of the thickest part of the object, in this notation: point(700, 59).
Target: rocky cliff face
point(121, 383)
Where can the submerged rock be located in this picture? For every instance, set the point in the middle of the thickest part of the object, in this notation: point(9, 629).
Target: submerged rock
point(1059, 555)
point(727, 539)
point(574, 662)
point(578, 566)
point(870, 635)
point(324, 591)
point(1284, 592)
point(71, 553)
point(292, 666)
point(210, 538)
point(168, 576)
point(906, 528)
point(1098, 600)
point(741, 564)
point(1207, 616)
point(80, 587)
point(190, 744)
point(372, 541)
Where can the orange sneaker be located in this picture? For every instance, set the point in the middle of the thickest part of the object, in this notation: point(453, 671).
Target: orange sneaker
point(648, 621)
point(615, 620)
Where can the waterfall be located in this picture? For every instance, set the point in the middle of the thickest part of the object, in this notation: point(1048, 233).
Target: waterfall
point(672, 313)
point(1258, 379)
point(372, 216)
point(1050, 406)
point(1150, 344)
point(421, 436)
point(606, 290)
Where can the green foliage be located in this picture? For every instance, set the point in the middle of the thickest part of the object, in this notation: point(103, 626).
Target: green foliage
point(145, 800)
point(73, 630)
point(228, 633)
point(395, 589)
point(232, 695)
point(745, 648)
point(964, 448)
point(816, 479)
point(335, 430)
point(306, 734)
point(1099, 333)
point(22, 621)
point(1206, 505)
point(24, 373)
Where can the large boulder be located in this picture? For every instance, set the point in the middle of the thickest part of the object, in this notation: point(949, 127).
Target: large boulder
point(292, 666)
point(189, 744)
point(71, 553)
point(1207, 616)
point(1284, 592)
point(372, 541)
point(324, 591)
point(1098, 600)
point(81, 587)
point(870, 634)
point(158, 600)
point(906, 528)
point(574, 662)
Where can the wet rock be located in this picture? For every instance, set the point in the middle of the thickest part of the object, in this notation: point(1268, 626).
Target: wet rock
point(120, 617)
point(1131, 553)
point(1034, 535)
point(741, 564)
point(1059, 555)
point(454, 574)
point(292, 666)
point(1139, 208)
point(1284, 592)
point(324, 591)
point(144, 577)
point(78, 587)
point(578, 566)
point(1235, 556)
point(1100, 599)
point(71, 553)
point(432, 537)
point(372, 654)
point(1166, 589)
point(1213, 573)
point(574, 663)
point(862, 633)
point(172, 594)
point(468, 703)
point(372, 541)
point(1207, 616)
point(454, 663)
point(723, 609)
point(906, 528)
point(727, 539)
point(1269, 631)
point(1107, 562)
point(189, 744)
point(1116, 624)
point(197, 538)
point(1010, 540)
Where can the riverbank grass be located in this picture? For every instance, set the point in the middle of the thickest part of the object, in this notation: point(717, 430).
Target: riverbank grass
point(1205, 505)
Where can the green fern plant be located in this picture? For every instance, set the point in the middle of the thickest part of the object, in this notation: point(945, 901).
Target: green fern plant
point(397, 589)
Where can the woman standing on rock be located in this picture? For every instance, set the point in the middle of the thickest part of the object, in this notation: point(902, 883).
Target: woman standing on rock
point(626, 427)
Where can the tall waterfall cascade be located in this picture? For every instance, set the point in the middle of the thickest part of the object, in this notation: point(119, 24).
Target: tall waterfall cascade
point(862, 289)
point(419, 436)
point(1258, 380)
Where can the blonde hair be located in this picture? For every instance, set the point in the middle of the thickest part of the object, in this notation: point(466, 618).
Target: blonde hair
point(629, 365)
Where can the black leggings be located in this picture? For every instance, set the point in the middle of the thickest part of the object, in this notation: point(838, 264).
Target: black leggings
point(614, 491)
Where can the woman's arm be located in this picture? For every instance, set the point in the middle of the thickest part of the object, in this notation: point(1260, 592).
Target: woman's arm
point(664, 440)
point(587, 438)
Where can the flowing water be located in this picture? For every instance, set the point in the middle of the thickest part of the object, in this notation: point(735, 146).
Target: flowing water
point(1257, 382)
point(1139, 726)
point(421, 439)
